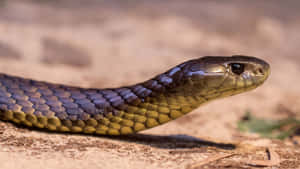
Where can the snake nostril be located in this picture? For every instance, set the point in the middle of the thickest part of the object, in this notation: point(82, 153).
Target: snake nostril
point(261, 71)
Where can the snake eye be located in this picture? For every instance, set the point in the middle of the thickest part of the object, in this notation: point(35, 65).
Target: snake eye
point(237, 68)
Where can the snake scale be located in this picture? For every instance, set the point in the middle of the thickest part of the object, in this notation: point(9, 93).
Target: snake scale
point(129, 109)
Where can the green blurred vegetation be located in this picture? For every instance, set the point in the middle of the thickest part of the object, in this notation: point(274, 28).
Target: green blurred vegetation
point(278, 129)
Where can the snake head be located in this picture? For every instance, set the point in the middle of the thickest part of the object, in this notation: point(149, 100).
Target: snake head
point(223, 76)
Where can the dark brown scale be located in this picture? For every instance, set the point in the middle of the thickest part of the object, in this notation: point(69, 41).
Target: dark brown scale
point(14, 107)
point(89, 108)
point(4, 93)
point(83, 101)
point(3, 106)
point(53, 103)
point(37, 100)
point(62, 115)
point(45, 92)
point(20, 96)
point(78, 95)
point(48, 113)
point(70, 105)
point(41, 107)
point(101, 103)
point(62, 94)
point(24, 103)
point(58, 109)
point(27, 88)
point(74, 111)
point(33, 94)
point(5, 100)
point(130, 97)
point(14, 91)
point(28, 109)
point(96, 96)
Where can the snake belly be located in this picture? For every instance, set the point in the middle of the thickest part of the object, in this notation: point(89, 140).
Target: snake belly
point(116, 111)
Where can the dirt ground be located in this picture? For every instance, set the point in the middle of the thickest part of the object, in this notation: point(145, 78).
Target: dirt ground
point(112, 43)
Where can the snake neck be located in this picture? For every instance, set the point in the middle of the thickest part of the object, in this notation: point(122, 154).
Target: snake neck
point(161, 99)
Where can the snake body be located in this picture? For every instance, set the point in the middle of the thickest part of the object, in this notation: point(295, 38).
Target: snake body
point(128, 109)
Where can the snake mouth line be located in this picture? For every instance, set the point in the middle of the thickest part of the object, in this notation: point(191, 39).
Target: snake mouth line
point(230, 91)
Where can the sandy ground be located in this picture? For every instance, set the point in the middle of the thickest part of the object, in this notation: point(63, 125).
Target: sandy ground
point(108, 44)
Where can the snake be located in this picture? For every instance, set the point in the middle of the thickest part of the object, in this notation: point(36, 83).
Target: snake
point(132, 108)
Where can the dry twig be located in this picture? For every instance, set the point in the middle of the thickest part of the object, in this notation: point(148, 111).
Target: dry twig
point(274, 160)
point(209, 160)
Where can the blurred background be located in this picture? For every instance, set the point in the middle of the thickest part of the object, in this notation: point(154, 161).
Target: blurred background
point(113, 43)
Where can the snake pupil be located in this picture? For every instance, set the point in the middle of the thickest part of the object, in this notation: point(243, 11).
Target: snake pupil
point(237, 68)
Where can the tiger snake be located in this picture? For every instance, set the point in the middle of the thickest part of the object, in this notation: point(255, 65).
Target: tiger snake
point(128, 109)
